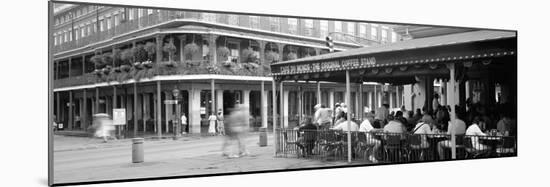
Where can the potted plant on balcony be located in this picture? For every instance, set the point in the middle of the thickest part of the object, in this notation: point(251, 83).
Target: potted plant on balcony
point(126, 56)
point(140, 55)
point(98, 64)
point(190, 49)
point(272, 56)
point(291, 56)
point(170, 48)
point(223, 53)
point(117, 60)
point(107, 59)
point(150, 48)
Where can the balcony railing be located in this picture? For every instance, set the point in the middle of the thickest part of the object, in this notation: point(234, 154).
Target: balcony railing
point(195, 67)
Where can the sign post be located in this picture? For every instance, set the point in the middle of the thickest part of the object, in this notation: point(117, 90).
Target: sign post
point(119, 119)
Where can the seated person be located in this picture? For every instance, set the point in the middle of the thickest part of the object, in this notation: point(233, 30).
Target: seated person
point(456, 126)
point(475, 130)
point(343, 125)
point(395, 126)
point(307, 140)
point(423, 127)
point(371, 141)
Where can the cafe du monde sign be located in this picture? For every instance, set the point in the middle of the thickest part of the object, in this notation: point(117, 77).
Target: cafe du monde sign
point(328, 65)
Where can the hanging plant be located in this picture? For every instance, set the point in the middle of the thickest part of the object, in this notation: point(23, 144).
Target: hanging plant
point(291, 56)
point(98, 61)
point(107, 59)
point(223, 53)
point(190, 49)
point(116, 57)
point(127, 56)
point(272, 56)
point(170, 48)
point(140, 54)
point(249, 55)
point(150, 48)
point(106, 70)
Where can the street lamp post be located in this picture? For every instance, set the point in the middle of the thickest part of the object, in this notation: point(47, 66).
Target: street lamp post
point(177, 127)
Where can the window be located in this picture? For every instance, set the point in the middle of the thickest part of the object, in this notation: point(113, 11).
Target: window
point(209, 17)
point(384, 35)
point(76, 34)
point(77, 12)
point(338, 29)
point(54, 39)
point(393, 36)
point(82, 29)
point(108, 23)
point(233, 20)
point(324, 28)
point(70, 35)
point(351, 28)
point(101, 27)
point(274, 24)
point(116, 19)
point(363, 30)
point(233, 51)
point(140, 12)
point(66, 36)
point(374, 31)
point(149, 11)
point(89, 26)
point(292, 25)
point(94, 26)
point(254, 22)
point(308, 27)
point(57, 21)
point(131, 14)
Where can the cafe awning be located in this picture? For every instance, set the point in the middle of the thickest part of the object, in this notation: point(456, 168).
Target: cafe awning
point(400, 62)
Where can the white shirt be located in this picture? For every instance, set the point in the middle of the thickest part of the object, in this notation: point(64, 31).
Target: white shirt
point(474, 130)
point(344, 126)
point(458, 126)
point(183, 120)
point(365, 126)
point(422, 128)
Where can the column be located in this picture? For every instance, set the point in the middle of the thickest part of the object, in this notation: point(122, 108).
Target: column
point(144, 110)
point(397, 98)
point(360, 111)
point(282, 108)
point(262, 55)
point(71, 112)
point(264, 105)
point(285, 108)
point(168, 111)
point(246, 102)
point(219, 101)
point(281, 48)
point(443, 96)
point(194, 111)
point(274, 105)
point(331, 98)
point(84, 114)
point(159, 41)
point(375, 103)
point(83, 64)
point(213, 97)
point(300, 104)
point(370, 101)
point(318, 92)
point(114, 98)
point(96, 100)
point(390, 99)
point(348, 102)
point(159, 111)
point(212, 47)
point(452, 103)
point(135, 109)
point(70, 60)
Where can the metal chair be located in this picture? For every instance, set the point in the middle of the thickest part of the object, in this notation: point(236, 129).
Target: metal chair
point(393, 149)
point(289, 143)
point(416, 151)
point(507, 148)
point(471, 151)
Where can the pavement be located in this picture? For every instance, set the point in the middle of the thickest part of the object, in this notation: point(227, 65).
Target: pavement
point(78, 159)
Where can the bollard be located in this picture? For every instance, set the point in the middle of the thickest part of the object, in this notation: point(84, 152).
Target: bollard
point(137, 150)
point(263, 137)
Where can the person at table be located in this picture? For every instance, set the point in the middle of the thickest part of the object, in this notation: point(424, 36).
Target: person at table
point(474, 130)
point(423, 127)
point(343, 125)
point(399, 117)
point(456, 126)
point(322, 116)
point(367, 128)
point(504, 125)
point(382, 113)
point(442, 118)
point(306, 141)
point(394, 126)
point(340, 118)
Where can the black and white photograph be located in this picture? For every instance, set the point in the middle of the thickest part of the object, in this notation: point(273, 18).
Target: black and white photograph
point(158, 92)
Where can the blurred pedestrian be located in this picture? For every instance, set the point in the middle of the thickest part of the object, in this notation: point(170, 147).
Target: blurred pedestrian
point(103, 126)
point(212, 126)
point(183, 124)
point(235, 127)
point(221, 128)
point(322, 116)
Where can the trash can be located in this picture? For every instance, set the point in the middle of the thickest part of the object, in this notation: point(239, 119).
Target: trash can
point(263, 137)
point(137, 150)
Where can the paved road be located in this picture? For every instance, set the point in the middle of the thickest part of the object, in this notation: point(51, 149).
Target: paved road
point(164, 158)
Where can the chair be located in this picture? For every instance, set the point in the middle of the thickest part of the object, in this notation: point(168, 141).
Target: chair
point(507, 148)
point(392, 148)
point(329, 142)
point(362, 145)
point(471, 152)
point(290, 143)
point(417, 152)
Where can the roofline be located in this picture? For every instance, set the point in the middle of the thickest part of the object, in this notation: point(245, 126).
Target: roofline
point(94, 45)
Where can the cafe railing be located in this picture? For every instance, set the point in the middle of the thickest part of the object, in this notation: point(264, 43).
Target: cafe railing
point(382, 147)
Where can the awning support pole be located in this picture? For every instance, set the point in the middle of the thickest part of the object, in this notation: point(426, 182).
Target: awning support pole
point(348, 115)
